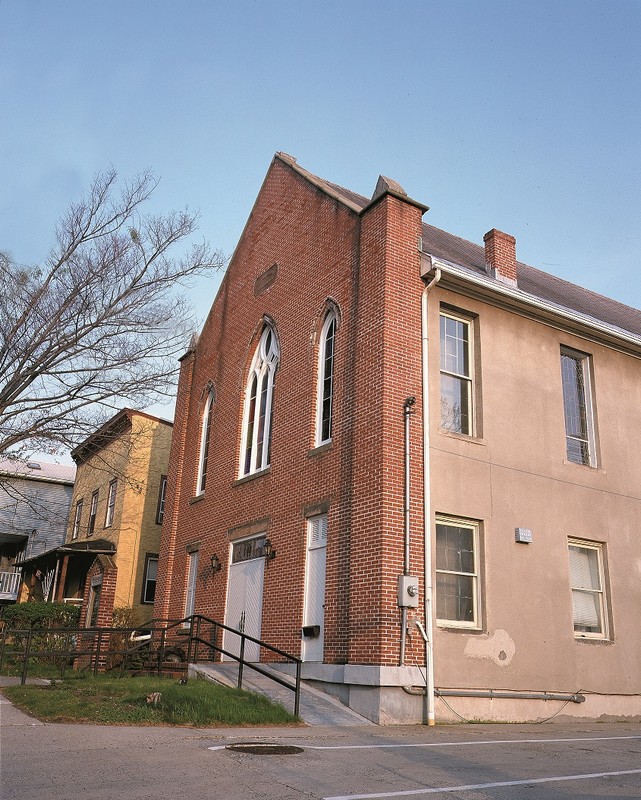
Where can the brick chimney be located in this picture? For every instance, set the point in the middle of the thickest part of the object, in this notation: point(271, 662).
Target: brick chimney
point(500, 256)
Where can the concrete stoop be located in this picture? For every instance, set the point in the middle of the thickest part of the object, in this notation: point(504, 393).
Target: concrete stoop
point(316, 707)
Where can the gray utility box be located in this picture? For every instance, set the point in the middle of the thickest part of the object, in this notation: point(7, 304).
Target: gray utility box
point(407, 591)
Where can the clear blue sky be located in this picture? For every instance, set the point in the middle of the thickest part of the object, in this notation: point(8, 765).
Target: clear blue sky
point(520, 116)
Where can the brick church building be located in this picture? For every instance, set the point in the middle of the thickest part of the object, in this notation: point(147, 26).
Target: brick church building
point(409, 456)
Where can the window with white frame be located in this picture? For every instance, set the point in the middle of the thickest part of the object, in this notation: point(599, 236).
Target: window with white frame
point(192, 571)
point(77, 518)
point(457, 573)
point(577, 407)
point(205, 435)
point(162, 492)
point(258, 403)
point(589, 610)
point(93, 511)
point(325, 387)
point(149, 578)
point(111, 502)
point(457, 412)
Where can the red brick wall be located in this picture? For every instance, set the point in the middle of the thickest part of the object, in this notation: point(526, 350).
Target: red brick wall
point(368, 265)
point(167, 582)
point(105, 567)
point(500, 253)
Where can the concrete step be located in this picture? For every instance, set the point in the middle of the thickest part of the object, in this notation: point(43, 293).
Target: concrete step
point(316, 707)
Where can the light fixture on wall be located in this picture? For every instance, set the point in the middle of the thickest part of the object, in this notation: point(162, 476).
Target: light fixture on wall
point(215, 564)
point(268, 551)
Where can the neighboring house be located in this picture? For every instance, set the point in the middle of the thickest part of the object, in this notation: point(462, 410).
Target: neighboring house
point(34, 506)
point(437, 444)
point(110, 556)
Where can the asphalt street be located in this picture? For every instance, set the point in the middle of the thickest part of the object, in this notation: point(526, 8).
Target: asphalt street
point(471, 762)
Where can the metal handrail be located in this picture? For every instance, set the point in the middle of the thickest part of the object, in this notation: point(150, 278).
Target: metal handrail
point(94, 643)
point(196, 621)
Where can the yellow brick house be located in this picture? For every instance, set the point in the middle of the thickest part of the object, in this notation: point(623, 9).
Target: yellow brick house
point(110, 556)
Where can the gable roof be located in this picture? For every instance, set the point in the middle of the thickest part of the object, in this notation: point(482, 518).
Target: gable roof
point(34, 469)
point(110, 431)
point(471, 257)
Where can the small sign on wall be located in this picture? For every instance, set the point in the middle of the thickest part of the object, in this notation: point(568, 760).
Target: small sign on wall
point(523, 535)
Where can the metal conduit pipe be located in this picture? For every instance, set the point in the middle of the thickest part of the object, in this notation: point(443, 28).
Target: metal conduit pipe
point(427, 507)
point(490, 693)
point(502, 694)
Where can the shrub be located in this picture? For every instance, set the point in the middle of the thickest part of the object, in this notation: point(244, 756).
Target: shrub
point(41, 615)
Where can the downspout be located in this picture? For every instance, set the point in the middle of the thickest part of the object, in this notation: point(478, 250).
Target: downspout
point(407, 412)
point(427, 508)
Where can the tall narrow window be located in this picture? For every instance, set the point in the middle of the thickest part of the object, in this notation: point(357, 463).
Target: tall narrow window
point(588, 596)
point(457, 575)
point(325, 389)
point(456, 374)
point(93, 511)
point(205, 435)
point(111, 503)
point(162, 492)
point(577, 407)
point(192, 571)
point(77, 517)
point(149, 579)
point(259, 395)
point(94, 604)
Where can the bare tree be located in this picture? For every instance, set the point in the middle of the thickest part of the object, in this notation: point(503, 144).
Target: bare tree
point(100, 325)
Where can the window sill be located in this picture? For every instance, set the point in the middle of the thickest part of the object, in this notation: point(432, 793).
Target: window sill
point(446, 625)
point(252, 476)
point(591, 467)
point(320, 449)
point(462, 437)
point(196, 498)
point(591, 640)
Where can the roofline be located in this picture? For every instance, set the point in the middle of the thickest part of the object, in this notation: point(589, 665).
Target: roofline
point(125, 413)
point(64, 549)
point(37, 478)
point(324, 186)
point(503, 295)
point(319, 183)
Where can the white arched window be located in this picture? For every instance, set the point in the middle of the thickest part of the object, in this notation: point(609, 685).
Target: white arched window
point(325, 383)
point(205, 435)
point(257, 414)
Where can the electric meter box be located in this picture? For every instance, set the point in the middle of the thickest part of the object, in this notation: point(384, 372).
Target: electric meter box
point(407, 591)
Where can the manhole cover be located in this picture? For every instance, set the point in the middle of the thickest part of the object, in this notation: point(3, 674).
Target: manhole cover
point(264, 748)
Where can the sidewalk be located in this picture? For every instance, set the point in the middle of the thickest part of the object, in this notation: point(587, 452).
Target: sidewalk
point(9, 714)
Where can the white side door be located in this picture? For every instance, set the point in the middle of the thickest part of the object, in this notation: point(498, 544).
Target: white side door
point(244, 609)
point(314, 610)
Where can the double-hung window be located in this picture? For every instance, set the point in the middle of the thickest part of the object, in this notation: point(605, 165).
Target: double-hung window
point(149, 579)
point(111, 502)
point(77, 518)
point(589, 612)
point(192, 572)
point(457, 573)
point(93, 511)
point(577, 407)
point(205, 435)
point(162, 493)
point(325, 389)
point(457, 412)
point(259, 397)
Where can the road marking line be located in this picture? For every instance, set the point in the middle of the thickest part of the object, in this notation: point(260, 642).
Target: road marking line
point(393, 746)
point(464, 744)
point(477, 786)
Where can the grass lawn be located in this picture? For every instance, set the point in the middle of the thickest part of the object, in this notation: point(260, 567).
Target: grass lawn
point(123, 701)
